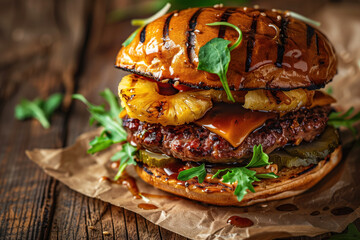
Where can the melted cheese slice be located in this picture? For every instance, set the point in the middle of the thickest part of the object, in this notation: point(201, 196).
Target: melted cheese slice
point(233, 122)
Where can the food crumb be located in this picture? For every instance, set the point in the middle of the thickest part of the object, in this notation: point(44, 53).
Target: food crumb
point(106, 233)
point(92, 228)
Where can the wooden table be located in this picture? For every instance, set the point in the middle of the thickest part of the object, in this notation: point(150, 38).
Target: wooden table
point(46, 47)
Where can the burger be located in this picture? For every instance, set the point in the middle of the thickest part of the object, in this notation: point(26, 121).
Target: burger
point(224, 107)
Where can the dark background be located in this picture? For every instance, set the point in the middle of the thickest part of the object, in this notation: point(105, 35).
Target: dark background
point(70, 46)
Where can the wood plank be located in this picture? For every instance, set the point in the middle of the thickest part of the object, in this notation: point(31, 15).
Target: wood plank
point(31, 66)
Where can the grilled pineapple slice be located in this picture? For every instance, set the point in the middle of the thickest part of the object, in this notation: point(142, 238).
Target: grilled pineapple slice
point(142, 100)
point(278, 101)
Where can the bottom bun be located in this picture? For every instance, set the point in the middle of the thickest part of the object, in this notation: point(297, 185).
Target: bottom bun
point(291, 182)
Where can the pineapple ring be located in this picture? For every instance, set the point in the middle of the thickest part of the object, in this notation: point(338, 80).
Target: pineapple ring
point(141, 99)
point(279, 101)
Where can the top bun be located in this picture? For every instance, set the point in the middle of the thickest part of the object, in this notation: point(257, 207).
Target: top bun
point(277, 51)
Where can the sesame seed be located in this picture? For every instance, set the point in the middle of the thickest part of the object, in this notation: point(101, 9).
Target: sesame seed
point(220, 5)
point(176, 14)
point(256, 6)
point(176, 83)
point(278, 17)
point(263, 14)
point(165, 80)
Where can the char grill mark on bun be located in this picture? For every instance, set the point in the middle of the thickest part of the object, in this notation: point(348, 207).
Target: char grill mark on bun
point(143, 34)
point(224, 18)
point(282, 42)
point(166, 27)
point(250, 44)
point(309, 34)
point(191, 36)
point(301, 57)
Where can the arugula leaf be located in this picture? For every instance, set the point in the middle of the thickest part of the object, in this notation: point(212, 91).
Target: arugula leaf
point(113, 132)
point(100, 143)
point(259, 158)
point(106, 119)
point(267, 175)
point(39, 109)
point(338, 119)
point(142, 22)
point(199, 172)
point(351, 234)
point(131, 37)
point(127, 158)
point(330, 90)
point(303, 18)
point(243, 176)
point(214, 57)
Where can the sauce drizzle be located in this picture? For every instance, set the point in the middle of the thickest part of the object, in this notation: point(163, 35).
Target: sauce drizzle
point(131, 185)
point(240, 222)
point(147, 206)
point(287, 207)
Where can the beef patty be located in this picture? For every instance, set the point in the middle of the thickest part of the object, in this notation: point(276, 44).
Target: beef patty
point(190, 142)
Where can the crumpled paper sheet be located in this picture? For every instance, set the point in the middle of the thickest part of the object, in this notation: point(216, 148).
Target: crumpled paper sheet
point(81, 171)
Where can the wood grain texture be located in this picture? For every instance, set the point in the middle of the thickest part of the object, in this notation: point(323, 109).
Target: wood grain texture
point(73, 49)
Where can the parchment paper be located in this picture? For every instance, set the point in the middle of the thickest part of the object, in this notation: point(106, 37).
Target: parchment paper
point(81, 171)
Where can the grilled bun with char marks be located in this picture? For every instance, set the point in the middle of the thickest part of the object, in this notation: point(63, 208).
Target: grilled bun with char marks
point(277, 52)
point(291, 182)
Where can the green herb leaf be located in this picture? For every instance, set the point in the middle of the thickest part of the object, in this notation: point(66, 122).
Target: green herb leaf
point(127, 158)
point(113, 133)
point(330, 90)
point(214, 57)
point(131, 37)
point(38, 108)
point(267, 175)
point(100, 143)
point(52, 103)
point(243, 176)
point(259, 158)
point(303, 18)
point(142, 22)
point(351, 234)
point(338, 119)
point(108, 119)
point(199, 172)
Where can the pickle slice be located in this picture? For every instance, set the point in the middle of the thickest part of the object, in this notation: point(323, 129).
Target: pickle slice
point(307, 153)
point(155, 159)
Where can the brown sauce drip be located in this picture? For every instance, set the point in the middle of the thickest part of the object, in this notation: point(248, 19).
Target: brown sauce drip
point(341, 211)
point(130, 183)
point(147, 206)
point(240, 222)
point(287, 208)
point(315, 213)
point(126, 180)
